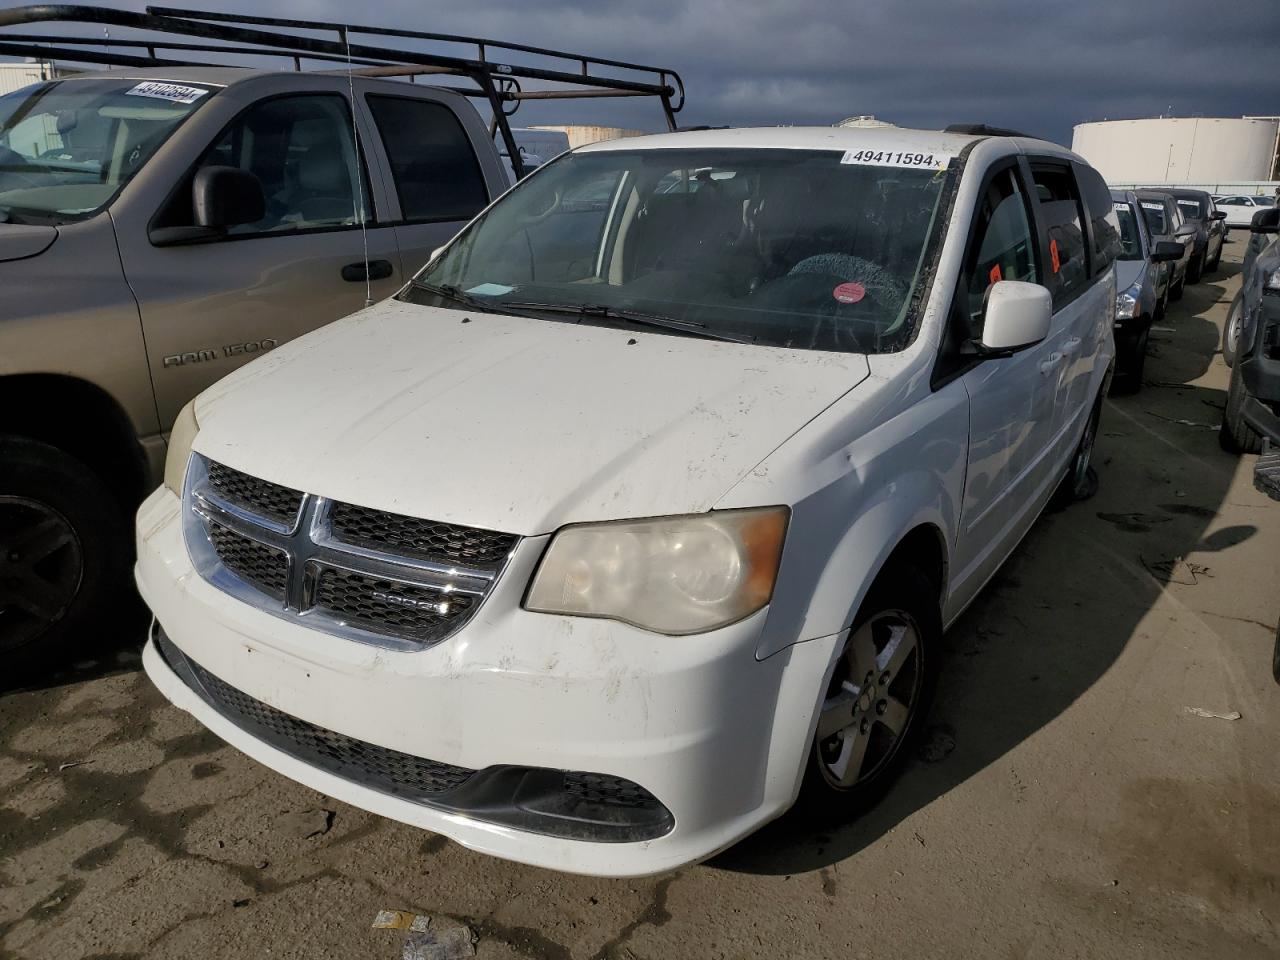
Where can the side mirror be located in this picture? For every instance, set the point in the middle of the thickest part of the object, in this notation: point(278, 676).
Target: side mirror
point(1266, 221)
point(1218, 215)
point(1018, 316)
point(1165, 251)
point(226, 197)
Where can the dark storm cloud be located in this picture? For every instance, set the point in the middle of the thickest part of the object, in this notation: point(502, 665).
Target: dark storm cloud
point(1035, 65)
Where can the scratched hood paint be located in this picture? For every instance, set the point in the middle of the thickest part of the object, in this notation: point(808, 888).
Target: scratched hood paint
point(513, 424)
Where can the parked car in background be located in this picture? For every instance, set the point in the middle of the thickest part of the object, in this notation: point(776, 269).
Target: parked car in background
point(1211, 230)
point(1165, 224)
point(160, 226)
point(1252, 410)
point(638, 518)
point(1143, 278)
point(1240, 208)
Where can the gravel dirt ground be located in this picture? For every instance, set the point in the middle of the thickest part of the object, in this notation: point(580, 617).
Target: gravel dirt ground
point(1067, 803)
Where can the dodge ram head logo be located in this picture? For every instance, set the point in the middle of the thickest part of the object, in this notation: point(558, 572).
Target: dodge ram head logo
point(247, 348)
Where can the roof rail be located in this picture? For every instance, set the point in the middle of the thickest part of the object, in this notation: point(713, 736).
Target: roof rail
point(579, 76)
point(986, 130)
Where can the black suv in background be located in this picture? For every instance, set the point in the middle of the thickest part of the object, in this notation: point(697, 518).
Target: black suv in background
point(1197, 208)
point(1253, 399)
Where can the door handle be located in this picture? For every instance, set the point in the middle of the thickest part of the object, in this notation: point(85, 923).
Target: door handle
point(1046, 366)
point(359, 273)
point(1071, 344)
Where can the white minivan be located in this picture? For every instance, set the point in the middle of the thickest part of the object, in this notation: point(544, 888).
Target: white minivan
point(640, 511)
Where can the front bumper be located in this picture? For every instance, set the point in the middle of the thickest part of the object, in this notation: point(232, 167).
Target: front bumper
point(1260, 369)
point(718, 737)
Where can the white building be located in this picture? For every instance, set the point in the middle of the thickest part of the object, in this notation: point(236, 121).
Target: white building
point(1191, 150)
point(15, 76)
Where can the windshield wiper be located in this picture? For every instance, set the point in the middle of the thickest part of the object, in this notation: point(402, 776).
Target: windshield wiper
point(637, 317)
point(450, 292)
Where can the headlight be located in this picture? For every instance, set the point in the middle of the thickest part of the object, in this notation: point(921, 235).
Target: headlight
point(1127, 303)
point(181, 437)
point(675, 575)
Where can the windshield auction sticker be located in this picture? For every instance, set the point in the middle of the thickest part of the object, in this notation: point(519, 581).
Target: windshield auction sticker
point(173, 92)
point(896, 158)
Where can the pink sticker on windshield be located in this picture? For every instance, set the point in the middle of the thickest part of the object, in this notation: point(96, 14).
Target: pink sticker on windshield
point(849, 292)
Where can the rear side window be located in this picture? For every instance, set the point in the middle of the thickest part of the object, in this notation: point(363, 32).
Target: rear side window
point(1154, 211)
point(436, 173)
point(1102, 219)
point(1002, 247)
point(1066, 271)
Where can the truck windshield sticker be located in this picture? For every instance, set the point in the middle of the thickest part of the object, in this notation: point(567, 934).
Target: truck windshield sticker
point(1152, 206)
point(173, 92)
point(1120, 205)
point(849, 292)
point(896, 158)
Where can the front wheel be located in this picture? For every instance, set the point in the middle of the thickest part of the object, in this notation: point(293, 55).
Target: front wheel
point(1178, 288)
point(1231, 330)
point(874, 706)
point(1132, 363)
point(62, 552)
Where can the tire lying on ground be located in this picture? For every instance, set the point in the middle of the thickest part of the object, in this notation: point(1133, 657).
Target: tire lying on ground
point(63, 553)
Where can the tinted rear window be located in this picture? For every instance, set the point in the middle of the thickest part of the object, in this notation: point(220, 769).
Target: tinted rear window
point(435, 169)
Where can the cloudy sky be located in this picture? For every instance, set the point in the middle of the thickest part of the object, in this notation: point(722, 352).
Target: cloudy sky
point(1036, 65)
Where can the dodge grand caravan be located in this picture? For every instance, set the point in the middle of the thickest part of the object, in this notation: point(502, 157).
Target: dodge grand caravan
point(640, 511)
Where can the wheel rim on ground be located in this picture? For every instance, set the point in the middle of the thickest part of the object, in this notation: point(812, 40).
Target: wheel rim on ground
point(41, 565)
point(1233, 327)
point(870, 701)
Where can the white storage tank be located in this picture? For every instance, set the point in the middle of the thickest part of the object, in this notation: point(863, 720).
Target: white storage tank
point(1179, 149)
point(15, 76)
point(580, 133)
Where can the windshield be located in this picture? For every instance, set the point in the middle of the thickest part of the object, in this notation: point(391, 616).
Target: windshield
point(785, 248)
point(1193, 209)
point(67, 147)
point(1154, 212)
point(1130, 244)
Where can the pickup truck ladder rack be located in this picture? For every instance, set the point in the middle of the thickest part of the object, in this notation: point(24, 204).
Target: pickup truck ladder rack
point(578, 76)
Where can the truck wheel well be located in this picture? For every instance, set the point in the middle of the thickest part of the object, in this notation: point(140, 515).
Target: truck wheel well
point(923, 548)
point(81, 419)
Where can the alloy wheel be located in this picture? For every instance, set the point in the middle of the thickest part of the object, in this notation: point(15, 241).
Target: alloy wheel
point(41, 565)
point(869, 704)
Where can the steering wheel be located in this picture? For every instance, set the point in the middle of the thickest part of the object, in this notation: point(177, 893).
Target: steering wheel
point(10, 157)
point(552, 207)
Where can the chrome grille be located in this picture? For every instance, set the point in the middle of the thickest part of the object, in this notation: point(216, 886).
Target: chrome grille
point(263, 566)
point(426, 539)
point(269, 500)
point(358, 573)
point(407, 610)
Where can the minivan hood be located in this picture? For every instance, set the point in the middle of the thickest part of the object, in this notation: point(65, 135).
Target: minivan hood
point(1128, 272)
point(510, 423)
point(19, 240)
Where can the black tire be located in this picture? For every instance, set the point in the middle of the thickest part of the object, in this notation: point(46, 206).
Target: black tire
point(1162, 305)
point(63, 553)
point(1195, 269)
point(902, 596)
point(1216, 262)
point(1132, 362)
point(1235, 435)
point(1177, 289)
point(1231, 330)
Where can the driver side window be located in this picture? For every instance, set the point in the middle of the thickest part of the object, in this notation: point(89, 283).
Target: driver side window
point(303, 152)
point(1002, 247)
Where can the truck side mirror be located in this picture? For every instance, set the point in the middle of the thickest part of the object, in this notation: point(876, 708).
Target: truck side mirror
point(1266, 221)
point(224, 197)
point(1218, 215)
point(1166, 250)
point(1018, 316)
